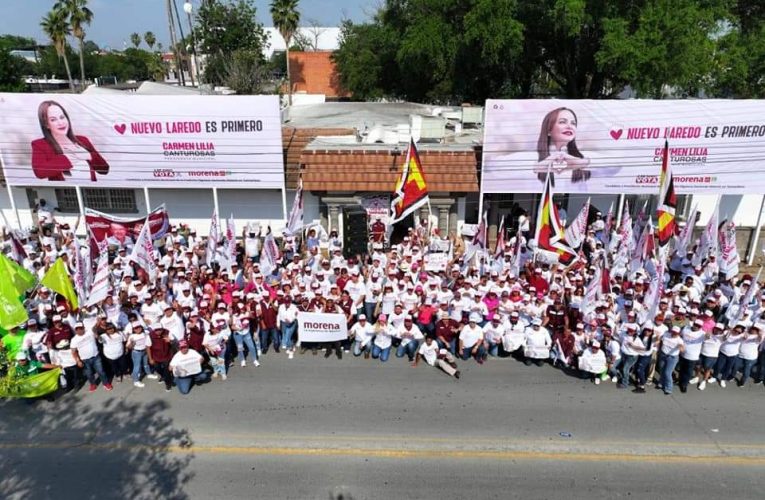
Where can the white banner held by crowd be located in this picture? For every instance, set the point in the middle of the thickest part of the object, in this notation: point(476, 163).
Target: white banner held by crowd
point(321, 327)
point(729, 257)
point(212, 239)
point(435, 262)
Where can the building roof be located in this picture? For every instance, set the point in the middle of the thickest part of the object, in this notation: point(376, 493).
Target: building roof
point(315, 73)
point(295, 140)
point(377, 170)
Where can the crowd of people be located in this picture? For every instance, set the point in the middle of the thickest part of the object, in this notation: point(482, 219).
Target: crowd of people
point(205, 312)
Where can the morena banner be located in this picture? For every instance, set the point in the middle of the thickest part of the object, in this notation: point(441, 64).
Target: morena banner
point(615, 146)
point(134, 141)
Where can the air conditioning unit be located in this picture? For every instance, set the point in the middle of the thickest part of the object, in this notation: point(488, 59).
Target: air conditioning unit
point(429, 128)
point(472, 115)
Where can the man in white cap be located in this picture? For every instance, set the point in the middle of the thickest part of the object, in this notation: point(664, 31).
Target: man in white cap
point(538, 343)
point(410, 336)
point(362, 333)
point(85, 351)
point(471, 339)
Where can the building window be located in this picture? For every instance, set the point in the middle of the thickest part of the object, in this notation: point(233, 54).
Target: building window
point(115, 201)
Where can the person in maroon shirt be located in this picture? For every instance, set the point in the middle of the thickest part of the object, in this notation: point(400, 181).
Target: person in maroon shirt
point(58, 332)
point(267, 312)
point(195, 337)
point(537, 281)
point(378, 231)
point(447, 331)
point(160, 353)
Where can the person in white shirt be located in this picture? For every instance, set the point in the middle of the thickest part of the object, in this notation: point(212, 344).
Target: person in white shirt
point(186, 366)
point(136, 344)
point(514, 336)
point(538, 343)
point(382, 342)
point(437, 356)
point(113, 342)
point(592, 362)
point(471, 339)
point(749, 351)
point(215, 342)
point(672, 345)
point(729, 349)
point(85, 351)
point(286, 322)
point(362, 333)
point(493, 332)
point(173, 324)
point(241, 331)
point(410, 336)
point(693, 337)
point(631, 347)
point(710, 352)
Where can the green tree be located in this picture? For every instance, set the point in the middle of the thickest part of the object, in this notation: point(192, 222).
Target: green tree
point(135, 39)
point(223, 27)
point(245, 72)
point(286, 19)
point(79, 16)
point(14, 42)
point(150, 39)
point(12, 70)
point(56, 27)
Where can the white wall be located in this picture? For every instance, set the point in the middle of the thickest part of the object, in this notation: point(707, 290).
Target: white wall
point(744, 209)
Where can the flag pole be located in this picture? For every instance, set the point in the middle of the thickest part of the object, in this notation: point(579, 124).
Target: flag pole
point(430, 217)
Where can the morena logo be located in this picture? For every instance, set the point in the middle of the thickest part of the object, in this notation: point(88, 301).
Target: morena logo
point(321, 326)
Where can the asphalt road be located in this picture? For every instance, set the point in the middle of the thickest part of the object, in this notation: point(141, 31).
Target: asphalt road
point(323, 428)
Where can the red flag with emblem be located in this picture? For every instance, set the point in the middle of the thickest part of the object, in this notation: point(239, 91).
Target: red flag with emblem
point(665, 213)
point(551, 235)
point(411, 192)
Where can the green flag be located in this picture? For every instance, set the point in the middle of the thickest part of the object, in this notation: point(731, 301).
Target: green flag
point(33, 386)
point(57, 279)
point(12, 311)
point(21, 279)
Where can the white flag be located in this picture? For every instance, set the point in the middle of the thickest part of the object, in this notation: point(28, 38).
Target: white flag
point(729, 257)
point(270, 257)
point(578, 228)
point(212, 239)
point(231, 240)
point(295, 221)
point(592, 292)
point(709, 241)
point(100, 287)
point(653, 296)
point(685, 236)
point(80, 273)
point(143, 252)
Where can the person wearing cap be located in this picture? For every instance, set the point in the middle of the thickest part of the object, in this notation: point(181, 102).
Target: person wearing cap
point(112, 343)
point(34, 342)
point(631, 347)
point(514, 338)
point(493, 332)
point(729, 349)
point(749, 351)
point(267, 311)
point(410, 335)
point(332, 308)
point(447, 331)
point(215, 342)
point(592, 363)
point(136, 344)
point(159, 349)
point(671, 345)
point(186, 366)
point(693, 338)
point(85, 352)
point(710, 351)
point(538, 343)
point(286, 322)
point(57, 332)
point(471, 339)
point(383, 338)
point(362, 333)
point(26, 367)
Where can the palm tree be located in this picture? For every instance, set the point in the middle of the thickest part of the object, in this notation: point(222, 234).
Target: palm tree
point(79, 16)
point(286, 19)
point(57, 28)
point(150, 39)
point(135, 39)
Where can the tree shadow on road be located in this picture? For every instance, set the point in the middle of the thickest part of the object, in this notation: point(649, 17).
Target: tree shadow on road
point(72, 449)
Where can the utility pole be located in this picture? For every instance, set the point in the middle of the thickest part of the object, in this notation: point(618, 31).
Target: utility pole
point(174, 42)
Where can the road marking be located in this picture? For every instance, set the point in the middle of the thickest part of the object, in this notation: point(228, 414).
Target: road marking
point(406, 454)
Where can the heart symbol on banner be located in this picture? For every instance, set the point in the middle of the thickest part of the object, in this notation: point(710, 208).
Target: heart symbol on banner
point(615, 134)
point(120, 128)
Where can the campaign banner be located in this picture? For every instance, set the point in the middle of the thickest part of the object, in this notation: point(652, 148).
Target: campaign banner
point(615, 146)
point(122, 231)
point(101, 284)
point(321, 327)
point(135, 141)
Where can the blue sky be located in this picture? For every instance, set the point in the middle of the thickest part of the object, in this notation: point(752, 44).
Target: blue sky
point(115, 20)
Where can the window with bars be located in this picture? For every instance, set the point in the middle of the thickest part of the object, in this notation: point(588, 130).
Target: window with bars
point(119, 201)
